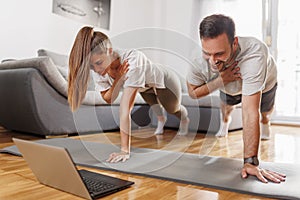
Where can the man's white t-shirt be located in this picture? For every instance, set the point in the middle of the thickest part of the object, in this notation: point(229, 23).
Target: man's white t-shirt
point(257, 68)
point(142, 73)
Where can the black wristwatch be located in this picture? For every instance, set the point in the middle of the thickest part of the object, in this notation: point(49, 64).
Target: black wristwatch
point(252, 160)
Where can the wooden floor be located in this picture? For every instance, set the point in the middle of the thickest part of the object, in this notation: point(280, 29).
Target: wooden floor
point(17, 181)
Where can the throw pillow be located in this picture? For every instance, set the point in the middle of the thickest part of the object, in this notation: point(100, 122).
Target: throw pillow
point(62, 63)
point(58, 59)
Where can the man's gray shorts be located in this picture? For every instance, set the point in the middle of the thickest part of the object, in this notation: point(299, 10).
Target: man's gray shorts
point(267, 99)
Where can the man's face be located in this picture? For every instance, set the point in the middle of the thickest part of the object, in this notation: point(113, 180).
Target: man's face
point(217, 51)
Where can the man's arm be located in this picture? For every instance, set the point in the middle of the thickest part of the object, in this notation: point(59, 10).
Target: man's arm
point(205, 89)
point(251, 137)
point(226, 76)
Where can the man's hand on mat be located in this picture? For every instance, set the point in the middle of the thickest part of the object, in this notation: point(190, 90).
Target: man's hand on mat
point(117, 157)
point(262, 174)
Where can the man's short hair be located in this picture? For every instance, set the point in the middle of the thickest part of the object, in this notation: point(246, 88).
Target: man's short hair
point(215, 25)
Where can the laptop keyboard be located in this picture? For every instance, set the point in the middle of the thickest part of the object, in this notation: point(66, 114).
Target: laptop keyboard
point(94, 182)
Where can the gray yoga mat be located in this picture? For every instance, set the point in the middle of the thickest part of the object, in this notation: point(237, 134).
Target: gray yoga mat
point(216, 172)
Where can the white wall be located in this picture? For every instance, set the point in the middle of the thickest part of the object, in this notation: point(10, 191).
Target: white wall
point(29, 25)
point(181, 43)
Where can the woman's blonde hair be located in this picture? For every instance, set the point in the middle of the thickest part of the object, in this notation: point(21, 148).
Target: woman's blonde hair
point(86, 42)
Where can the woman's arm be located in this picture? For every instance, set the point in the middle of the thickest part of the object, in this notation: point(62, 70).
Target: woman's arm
point(112, 93)
point(118, 75)
point(126, 106)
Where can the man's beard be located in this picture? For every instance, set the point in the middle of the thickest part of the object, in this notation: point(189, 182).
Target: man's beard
point(225, 64)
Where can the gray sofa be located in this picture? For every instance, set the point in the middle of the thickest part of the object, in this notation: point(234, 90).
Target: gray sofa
point(33, 100)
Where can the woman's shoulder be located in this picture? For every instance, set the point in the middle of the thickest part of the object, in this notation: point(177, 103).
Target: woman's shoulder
point(134, 57)
point(130, 53)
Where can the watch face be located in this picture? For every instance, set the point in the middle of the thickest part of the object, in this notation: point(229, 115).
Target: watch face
point(252, 160)
point(255, 161)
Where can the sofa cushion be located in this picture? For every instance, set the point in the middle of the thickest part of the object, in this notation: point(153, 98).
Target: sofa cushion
point(58, 59)
point(62, 63)
point(49, 70)
point(211, 100)
point(64, 71)
point(7, 60)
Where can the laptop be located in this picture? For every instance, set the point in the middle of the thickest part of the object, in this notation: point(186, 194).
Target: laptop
point(54, 167)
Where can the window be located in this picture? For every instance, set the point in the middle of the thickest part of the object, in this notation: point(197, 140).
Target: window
point(288, 60)
point(247, 14)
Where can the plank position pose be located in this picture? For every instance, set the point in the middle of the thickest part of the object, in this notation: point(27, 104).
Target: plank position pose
point(244, 71)
point(129, 69)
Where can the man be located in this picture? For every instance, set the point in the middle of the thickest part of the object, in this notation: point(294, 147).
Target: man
point(244, 71)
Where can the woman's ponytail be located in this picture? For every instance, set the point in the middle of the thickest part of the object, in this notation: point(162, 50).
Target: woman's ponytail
point(79, 69)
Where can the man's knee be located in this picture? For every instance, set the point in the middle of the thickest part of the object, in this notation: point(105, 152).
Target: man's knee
point(227, 109)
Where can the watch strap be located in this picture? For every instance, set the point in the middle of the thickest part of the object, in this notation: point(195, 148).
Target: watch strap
point(252, 160)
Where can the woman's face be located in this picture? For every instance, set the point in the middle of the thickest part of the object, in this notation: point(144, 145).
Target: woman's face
point(100, 62)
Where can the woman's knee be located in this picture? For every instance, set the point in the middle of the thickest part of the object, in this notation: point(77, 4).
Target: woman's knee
point(179, 111)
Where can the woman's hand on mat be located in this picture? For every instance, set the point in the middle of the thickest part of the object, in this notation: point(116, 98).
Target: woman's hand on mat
point(262, 174)
point(117, 157)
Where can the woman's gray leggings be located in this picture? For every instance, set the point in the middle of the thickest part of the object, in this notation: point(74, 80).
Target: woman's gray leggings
point(169, 98)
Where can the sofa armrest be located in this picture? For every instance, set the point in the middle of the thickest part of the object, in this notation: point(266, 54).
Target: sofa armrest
point(47, 68)
point(50, 71)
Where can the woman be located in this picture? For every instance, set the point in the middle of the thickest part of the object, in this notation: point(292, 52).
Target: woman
point(158, 86)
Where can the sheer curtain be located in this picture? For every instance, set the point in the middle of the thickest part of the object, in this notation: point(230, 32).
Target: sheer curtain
point(247, 14)
point(288, 60)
